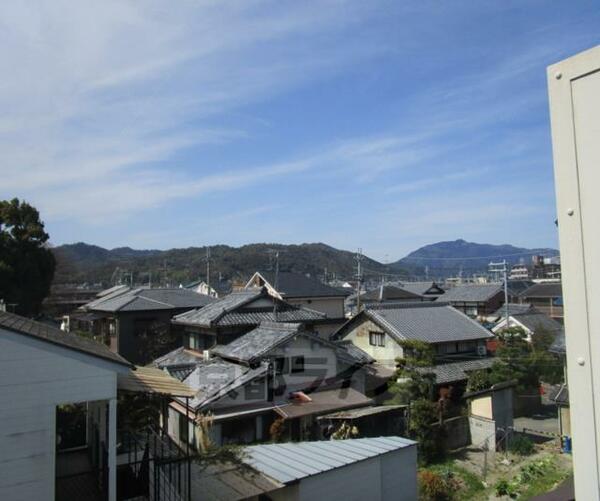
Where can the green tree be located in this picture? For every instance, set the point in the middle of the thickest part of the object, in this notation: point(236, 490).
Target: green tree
point(417, 390)
point(26, 263)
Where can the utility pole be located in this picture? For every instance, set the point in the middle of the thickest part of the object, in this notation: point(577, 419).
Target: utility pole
point(503, 268)
point(276, 284)
point(208, 270)
point(359, 258)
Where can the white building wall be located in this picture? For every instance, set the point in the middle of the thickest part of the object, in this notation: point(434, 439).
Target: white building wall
point(385, 355)
point(34, 378)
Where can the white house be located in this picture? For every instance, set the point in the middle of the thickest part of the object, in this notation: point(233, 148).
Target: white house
point(42, 368)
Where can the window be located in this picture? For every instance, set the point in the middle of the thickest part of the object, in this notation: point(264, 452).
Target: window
point(376, 338)
point(183, 429)
point(281, 365)
point(298, 364)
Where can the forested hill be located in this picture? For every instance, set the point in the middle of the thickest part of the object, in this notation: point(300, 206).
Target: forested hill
point(84, 263)
point(449, 258)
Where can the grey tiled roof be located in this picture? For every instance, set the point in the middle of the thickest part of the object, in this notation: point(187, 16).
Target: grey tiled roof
point(291, 284)
point(150, 300)
point(515, 287)
point(456, 371)
point(361, 357)
point(235, 309)
point(429, 321)
point(258, 341)
point(47, 333)
point(389, 293)
point(423, 288)
point(544, 289)
point(537, 320)
point(513, 309)
point(471, 293)
point(215, 378)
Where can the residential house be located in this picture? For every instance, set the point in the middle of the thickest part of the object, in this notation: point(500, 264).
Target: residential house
point(128, 320)
point(516, 287)
point(389, 294)
point(456, 373)
point(365, 468)
point(380, 329)
point(217, 289)
point(238, 313)
point(530, 320)
point(42, 369)
point(427, 290)
point(58, 435)
point(546, 297)
point(277, 370)
point(300, 290)
point(476, 301)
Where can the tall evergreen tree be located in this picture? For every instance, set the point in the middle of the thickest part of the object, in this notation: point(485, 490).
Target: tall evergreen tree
point(26, 263)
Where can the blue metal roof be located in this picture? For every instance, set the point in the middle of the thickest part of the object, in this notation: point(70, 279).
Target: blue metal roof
point(293, 461)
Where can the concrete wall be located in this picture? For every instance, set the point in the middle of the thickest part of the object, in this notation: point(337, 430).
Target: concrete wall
point(482, 429)
point(386, 355)
point(34, 378)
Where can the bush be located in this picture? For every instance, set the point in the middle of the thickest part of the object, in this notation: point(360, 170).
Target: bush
point(436, 487)
point(521, 445)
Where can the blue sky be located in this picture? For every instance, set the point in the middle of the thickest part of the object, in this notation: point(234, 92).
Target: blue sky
point(384, 125)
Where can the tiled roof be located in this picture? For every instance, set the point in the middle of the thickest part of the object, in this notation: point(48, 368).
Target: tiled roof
point(513, 309)
point(361, 357)
point(258, 341)
point(537, 320)
point(291, 285)
point(215, 378)
point(456, 371)
point(324, 401)
point(429, 321)
point(515, 287)
point(150, 300)
point(471, 293)
point(236, 309)
point(423, 288)
point(47, 333)
point(290, 462)
point(388, 293)
point(544, 289)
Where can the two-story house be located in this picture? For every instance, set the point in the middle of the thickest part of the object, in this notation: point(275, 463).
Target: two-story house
point(379, 330)
point(300, 290)
point(128, 319)
point(275, 371)
point(475, 300)
point(238, 313)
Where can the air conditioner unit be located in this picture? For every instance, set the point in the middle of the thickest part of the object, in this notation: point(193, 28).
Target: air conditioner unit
point(481, 350)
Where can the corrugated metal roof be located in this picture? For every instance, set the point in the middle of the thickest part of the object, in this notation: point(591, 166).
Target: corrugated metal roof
point(429, 321)
point(291, 462)
point(150, 380)
point(363, 412)
point(471, 293)
point(44, 332)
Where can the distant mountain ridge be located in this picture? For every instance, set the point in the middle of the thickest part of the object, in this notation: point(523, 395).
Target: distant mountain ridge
point(84, 263)
point(450, 257)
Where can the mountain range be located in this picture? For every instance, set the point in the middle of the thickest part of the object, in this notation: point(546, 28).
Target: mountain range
point(83, 263)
